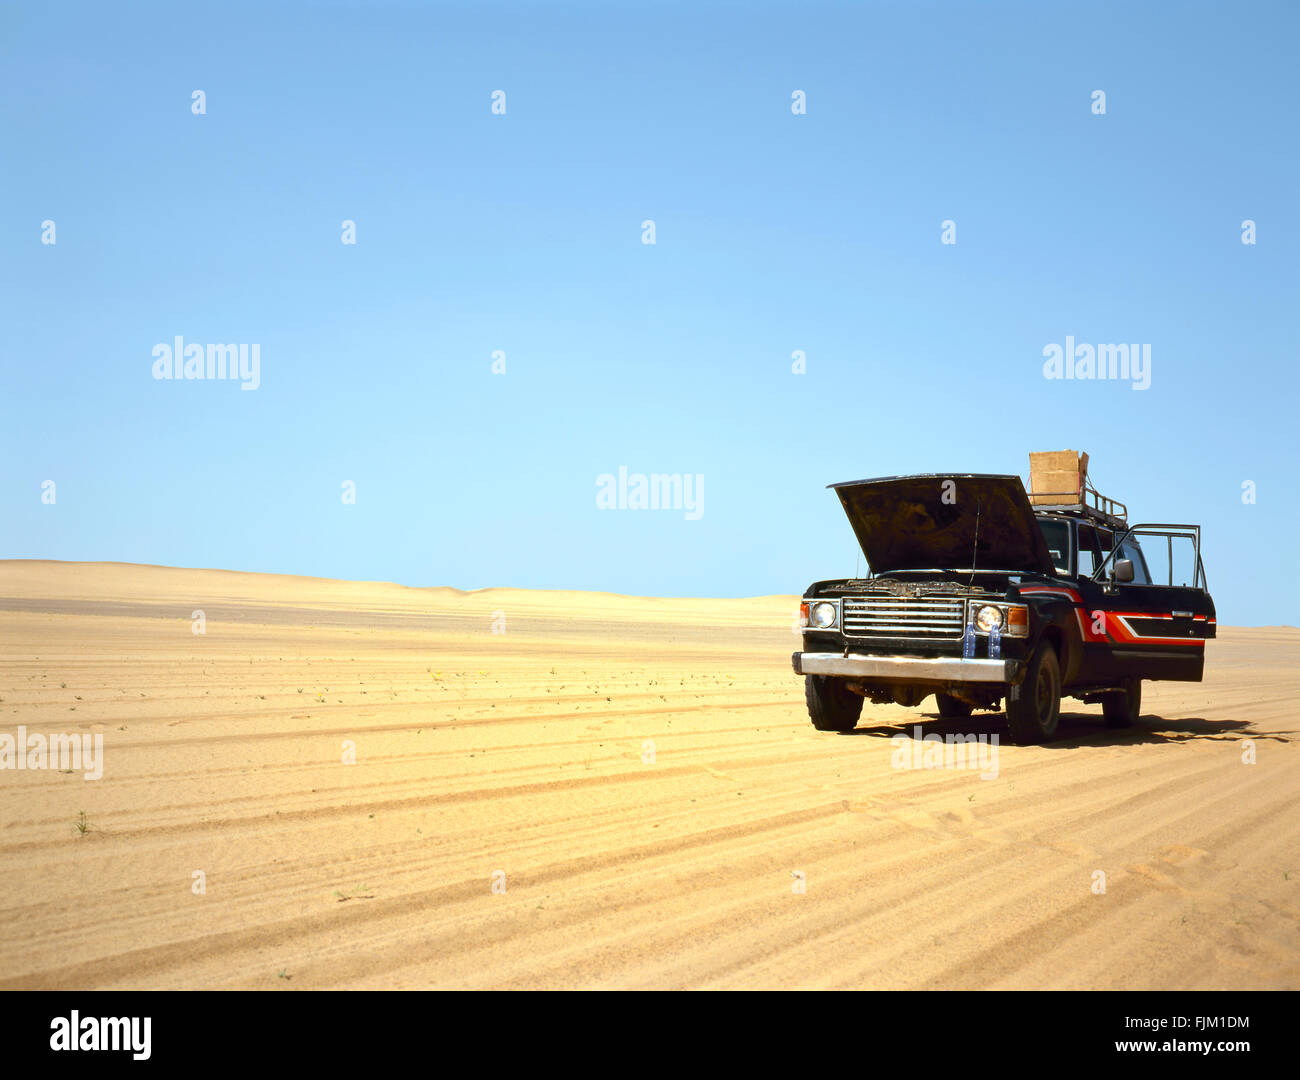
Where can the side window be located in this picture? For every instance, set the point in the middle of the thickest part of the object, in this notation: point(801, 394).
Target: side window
point(1105, 542)
point(1177, 562)
point(1169, 557)
point(1089, 552)
point(1129, 549)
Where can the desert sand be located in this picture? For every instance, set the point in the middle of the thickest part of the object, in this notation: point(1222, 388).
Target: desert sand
point(636, 777)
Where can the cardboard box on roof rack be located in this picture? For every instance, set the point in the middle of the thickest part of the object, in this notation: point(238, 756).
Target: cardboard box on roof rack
point(1057, 477)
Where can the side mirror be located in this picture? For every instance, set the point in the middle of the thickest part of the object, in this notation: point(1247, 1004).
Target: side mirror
point(1123, 570)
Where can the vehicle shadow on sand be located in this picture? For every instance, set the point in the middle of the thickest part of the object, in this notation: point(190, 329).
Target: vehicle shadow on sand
point(1082, 729)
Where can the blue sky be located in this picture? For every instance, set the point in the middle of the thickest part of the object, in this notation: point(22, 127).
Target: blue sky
point(521, 232)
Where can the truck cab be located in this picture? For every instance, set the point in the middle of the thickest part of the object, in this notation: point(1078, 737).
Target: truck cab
point(982, 599)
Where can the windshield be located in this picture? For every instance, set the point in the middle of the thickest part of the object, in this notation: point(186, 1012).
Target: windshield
point(1057, 536)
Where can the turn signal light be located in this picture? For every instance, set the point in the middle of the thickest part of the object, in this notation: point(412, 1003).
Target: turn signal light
point(1017, 621)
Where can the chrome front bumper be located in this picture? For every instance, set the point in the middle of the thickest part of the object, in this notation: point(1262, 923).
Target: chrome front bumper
point(947, 669)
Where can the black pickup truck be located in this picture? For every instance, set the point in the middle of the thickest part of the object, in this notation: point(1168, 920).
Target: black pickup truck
point(977, 596)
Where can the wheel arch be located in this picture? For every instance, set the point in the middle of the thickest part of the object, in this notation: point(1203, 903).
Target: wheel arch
point(1068, 654)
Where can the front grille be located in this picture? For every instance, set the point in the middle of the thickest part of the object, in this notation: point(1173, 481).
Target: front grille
point(896, 616)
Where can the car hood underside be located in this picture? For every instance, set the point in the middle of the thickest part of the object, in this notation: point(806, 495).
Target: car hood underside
point(945, 521)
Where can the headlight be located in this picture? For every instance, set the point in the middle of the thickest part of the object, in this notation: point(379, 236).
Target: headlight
point(823, 615)
point(1011, 619)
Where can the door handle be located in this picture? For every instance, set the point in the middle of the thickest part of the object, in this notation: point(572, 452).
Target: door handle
point(1182, 614)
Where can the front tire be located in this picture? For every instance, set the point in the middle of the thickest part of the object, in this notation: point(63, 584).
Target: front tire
point(1122, 709)
point(832, 706)
point(1035, 711)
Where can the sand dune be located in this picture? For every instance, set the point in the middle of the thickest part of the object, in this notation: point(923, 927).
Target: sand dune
point(643, 774)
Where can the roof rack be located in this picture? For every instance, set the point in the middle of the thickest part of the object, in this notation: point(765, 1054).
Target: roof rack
point(1093, 505)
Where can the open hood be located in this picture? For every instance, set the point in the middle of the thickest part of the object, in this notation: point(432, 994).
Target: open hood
point(929, 523)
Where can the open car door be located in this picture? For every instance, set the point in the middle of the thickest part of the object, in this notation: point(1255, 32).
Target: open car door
point(1158, 611)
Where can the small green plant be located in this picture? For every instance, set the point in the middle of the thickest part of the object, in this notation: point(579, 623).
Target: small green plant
point(82, 826)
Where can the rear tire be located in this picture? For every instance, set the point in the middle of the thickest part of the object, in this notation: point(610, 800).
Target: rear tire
point(832, 706)
point(951, 708)
point(1034, 713)
point(1122, 709)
